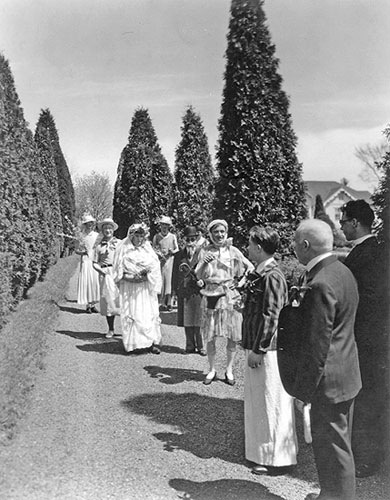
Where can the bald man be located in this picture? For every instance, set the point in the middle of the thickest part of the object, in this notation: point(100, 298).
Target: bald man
point(328, 373)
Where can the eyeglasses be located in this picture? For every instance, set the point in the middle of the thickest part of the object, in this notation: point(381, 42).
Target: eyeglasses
point(190, 238)
point(343, 221)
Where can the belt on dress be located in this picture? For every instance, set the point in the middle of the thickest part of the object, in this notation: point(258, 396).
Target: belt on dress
point(105, 265)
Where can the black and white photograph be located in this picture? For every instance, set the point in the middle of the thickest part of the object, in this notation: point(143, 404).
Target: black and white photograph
point(194, 249)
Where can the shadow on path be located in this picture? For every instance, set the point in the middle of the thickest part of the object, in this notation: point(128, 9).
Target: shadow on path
point(171, 376)
point(204, 426)
point(73, 310)
point(82, 335)
point(105, 347)
point(222, 489)
point(172, 349)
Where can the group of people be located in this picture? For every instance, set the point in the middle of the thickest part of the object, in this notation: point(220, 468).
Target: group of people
point(340, 357)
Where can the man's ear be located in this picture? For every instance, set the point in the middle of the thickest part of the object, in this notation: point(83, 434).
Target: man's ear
point(306, 244)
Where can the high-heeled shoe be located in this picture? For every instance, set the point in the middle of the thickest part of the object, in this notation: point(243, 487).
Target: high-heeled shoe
point(208, 380)
point(229, 381)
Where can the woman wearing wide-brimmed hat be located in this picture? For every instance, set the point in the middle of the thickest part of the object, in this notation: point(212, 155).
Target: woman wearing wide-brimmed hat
point(137, 273)
point(103, 263)
point(220, 265)
point(165, 244)
point(88, 282)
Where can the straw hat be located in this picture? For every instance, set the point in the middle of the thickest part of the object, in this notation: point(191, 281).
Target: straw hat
point(109, 221)
point(87, 218)
point(165, 220)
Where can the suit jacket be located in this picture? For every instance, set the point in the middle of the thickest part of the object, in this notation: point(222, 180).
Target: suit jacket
point(181, 284)
point(367, 265)
point(327, 358)
point(265, 295)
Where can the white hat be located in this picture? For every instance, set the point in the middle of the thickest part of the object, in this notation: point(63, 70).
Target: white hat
point(107, 221)
point(164, 219)
point(87, 218)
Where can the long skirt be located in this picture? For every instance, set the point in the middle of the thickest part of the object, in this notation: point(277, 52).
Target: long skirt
point(222, 320)
point(139, 316)
point(88, 283)
point(270, 437)
point(109, 295)
point(166, 273)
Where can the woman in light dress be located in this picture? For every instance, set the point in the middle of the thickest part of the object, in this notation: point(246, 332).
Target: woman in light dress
point(165, 244)
point(137, 273)
point(88, 281)
point(103, 262)
point(220, 266)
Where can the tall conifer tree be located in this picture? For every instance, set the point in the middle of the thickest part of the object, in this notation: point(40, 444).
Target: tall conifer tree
point(259, 174)
point(143, 184)
point(193, 173)
point(65, 185)
point(49, 172)
point(22, 194)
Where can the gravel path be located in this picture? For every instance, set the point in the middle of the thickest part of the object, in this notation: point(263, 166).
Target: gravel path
point(106, 425)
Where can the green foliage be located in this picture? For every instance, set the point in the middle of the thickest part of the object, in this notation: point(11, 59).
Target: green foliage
point(143, 186)
point(319, 206)
point(260, 178)
point(193, 174)
point(65, 186)
point(22, 194)
point(381, 199)
point(43, 141)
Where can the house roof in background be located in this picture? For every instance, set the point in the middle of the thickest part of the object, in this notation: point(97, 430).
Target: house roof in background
point(327, 189)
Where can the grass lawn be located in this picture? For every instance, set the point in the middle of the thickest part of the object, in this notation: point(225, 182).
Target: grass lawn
point(23, 343)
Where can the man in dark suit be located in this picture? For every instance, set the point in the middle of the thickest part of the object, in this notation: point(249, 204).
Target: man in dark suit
point(366, 261)
point(328, 375)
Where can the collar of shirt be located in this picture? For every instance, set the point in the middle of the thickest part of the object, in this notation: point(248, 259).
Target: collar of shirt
point(316, 260)
point(263, 264)
point(363, 238)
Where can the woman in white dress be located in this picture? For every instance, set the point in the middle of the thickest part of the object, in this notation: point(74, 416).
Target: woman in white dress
point(137, 273)
point(88, 283)
point(165, 244)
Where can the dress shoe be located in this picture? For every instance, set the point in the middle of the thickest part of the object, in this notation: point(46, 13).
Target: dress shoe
point(270, 470)
point(365, 470)
point(110, 334)
point(228, 380)
point(259, 470)
point(154, 349)
point(202, 352)
point(88, 310)
point(208, 380)
point(93, 309)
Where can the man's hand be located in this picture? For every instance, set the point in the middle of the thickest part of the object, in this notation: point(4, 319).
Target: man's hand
point(255, 360)
point(208, 257)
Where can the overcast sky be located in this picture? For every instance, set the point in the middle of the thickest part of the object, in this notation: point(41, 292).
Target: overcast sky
point(94, 62)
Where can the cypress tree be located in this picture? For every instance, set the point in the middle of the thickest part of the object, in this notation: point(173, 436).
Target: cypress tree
point(319, 206)
point(194, 175)
point(260, 178)
point(65, 185)
point(143, 183)
point(49, 173)
point(21, 214)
